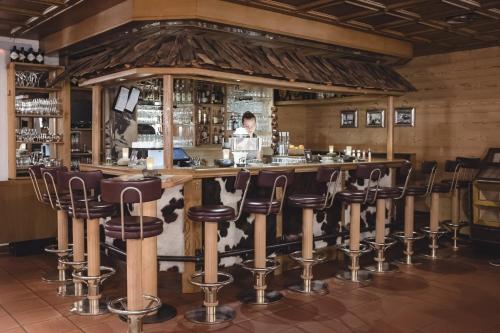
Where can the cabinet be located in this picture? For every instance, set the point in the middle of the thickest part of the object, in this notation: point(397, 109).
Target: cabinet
point(38, 118)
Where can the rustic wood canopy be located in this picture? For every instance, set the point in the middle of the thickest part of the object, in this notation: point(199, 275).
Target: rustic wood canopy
point(432, 26)
point(185, 48)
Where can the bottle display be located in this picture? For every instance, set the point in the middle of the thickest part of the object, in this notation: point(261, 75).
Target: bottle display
point(14, 54)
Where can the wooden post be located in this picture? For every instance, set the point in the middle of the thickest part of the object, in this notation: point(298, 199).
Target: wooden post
point(96, 123)
point(354, 228)
point(307, 233)
point(93, 253)
point(78, 240)
point(390, 128)
point(434, 223)
point(192, 232)
point(64, 124)
point(149, 257)
point(409, 215)
point(380, 221)
point(62, 230)
point(168, 143)
point(134, 274)
point(210, 252)
point(259, 241)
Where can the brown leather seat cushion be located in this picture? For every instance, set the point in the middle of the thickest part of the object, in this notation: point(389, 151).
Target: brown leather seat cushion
point(354, 196)
point(441, 188)
point(211, 213)
point(415, 190)
point(388, 193)
point(261, 206)
point(460, 183)
point(314, 201)
point(97, 209)
point(151, 226)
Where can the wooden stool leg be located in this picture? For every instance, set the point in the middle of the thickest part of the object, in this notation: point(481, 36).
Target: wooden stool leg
point(409, 215)
point(355, 227)
point(380, 221)
point(93, 265)
point(134, 283)
point(434, 214)
point(455, 209)
point(149, 257)
point(307, 233)
point(210, 266)
point(259, 242)
point(62, 244)
point(380, 243)
point(78, 249)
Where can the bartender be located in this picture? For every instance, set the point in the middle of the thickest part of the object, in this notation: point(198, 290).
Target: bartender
point(249, 122)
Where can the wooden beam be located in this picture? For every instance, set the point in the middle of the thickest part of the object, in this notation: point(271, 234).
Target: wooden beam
point(19, 11)
point(226, 13)
point(390, 128)
point(96, 123)
point(168, 122)
point(48, 2)
point(311, 5)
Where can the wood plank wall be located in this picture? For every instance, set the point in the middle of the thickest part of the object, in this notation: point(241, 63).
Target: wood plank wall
point(457, 110)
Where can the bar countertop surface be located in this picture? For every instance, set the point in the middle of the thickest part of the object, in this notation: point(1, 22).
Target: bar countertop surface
point(178, 176)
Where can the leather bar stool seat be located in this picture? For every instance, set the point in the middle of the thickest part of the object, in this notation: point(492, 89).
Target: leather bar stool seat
point(261, 206)
point(441, 188)
point(387, 192)
point(97, 210)
point(313, 201)
point(415, 190)
point(151, 226)
point(211, 213)
point(460, 184)
point(356, 196)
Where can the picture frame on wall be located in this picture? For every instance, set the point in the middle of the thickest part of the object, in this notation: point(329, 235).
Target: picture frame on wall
point(404, 116)
point(349, 118)
point(121, 99)
point(375, 118)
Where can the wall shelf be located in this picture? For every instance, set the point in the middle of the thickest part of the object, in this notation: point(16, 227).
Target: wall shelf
point(20, 115)
point(39, 90)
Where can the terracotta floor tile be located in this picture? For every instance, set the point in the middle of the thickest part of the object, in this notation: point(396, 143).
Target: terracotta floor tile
point(266, 323)
point(59, 325)
point(14, 330)
point(7, 323)
point(111, 325)
point(23, 305)
point(36, 315)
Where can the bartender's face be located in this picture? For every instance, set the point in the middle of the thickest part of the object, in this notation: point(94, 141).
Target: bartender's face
point(250, 125)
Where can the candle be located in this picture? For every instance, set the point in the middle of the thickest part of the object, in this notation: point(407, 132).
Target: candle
point(150, 162)
point(125, 153)
point(225, 154)
point(330, 149)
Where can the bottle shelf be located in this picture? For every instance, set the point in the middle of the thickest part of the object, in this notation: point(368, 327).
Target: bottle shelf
point(36, 67)
point(40, 90)
point(20, 115)
point(43, 142)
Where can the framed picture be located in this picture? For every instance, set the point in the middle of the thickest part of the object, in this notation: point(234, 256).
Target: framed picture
point(349, 118)
point(308, 155)
point(121, 99)
point(133, 98)
point(404, 116)
point(375, 118)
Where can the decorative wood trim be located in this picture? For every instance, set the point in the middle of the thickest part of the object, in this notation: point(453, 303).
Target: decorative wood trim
point(390, 128)
point(168, 122)
point(96, 123)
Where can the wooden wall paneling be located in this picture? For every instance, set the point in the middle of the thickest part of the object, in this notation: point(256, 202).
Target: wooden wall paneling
point(23, 217)
point(96, 123)
point(390, 127)
point(11, 120)
point(168, 122)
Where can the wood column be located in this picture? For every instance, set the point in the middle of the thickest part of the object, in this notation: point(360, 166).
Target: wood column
point(192, 233)
point(96, 123)
point(93, 251)
point(390, 128)
point(168, 123)
point(62, 230)
point(259, 241)
point(409, 215)
point(210, 252)
point(380, 221)
point(149, 256)
point(354, 227)
point(307, 233)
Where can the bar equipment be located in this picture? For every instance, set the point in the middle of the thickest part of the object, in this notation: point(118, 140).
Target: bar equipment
point(283, 142)
point(243, 147)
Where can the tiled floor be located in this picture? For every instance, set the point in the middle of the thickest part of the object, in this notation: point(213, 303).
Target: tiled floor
point(461, 294)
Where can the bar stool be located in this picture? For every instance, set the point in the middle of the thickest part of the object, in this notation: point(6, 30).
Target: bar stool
point(409, 236)
point(83, 206)
point(261, 266)
point(380, 243)
point(463, 175)
point(434, 231)
point(210, 279)
point(133, 230)
point(355, 198)
point(309, 203)
point(62, 249)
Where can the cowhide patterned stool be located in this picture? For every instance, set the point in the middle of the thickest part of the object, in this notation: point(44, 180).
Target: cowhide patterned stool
point(461, 180)
point(62, 249)
point(262, 207)
point(434, 231)
point(133, 230)
point(355, 198)
point(380, 243)
point(408, 236)
point(328, 176)
point(83, 190)
point(81, 207)
point(210, 279)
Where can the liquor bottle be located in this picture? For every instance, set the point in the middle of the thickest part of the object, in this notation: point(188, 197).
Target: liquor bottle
point(234, 124)
point(183, 91)
point(30, 57)
point(189, 97)
point(40, 58)
point(14, 54)
point(22, 55)
point(177, 96)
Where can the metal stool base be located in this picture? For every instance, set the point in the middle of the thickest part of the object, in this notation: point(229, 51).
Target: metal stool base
point(165, 313)
point(495, 262)
point(53, 277)
point(71, 291)
point(200, 316)
point(429, 257)
point(363, 276)
point(85, 308)
point(414, 261)
point(318, 287)
point(386, 268)
point(270, 297)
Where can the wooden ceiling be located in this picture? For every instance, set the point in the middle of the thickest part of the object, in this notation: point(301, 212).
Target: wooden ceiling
point(38, 18)
point(433, 26)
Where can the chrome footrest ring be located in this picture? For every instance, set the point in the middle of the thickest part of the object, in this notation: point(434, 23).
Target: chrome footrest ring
point(53, 248)
point(271, 265)
point(66, 261)
point(119, 306)
point(440, 232)
point(105, 273)
point(198, 277)
point(450, 225)
point(400, 235)
point(363, 248)
point(388, 242)
point(316, 259)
